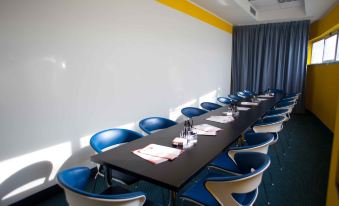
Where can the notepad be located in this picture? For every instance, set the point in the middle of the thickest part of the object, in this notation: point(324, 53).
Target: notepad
point(150, 158)
point(206, 128)
point(161, 151)
point(261, 99)
point(266, 96)
point(249, 103)
point(221, 119)
point(243, 108)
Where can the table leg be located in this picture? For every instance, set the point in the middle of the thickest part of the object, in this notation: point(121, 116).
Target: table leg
point(172, 198)
point(108, 175)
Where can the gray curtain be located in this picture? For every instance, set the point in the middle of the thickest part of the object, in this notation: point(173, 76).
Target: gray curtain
point(270, 56)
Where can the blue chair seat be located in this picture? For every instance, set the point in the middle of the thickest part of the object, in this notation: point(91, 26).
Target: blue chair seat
point(285, 104)
point(269, 121)
point(276, 112)
point(253, 140)
point(235, 97)
point(153, 124)
point(225, 162)
point(210, 106)
point(192, 112)
point(200, 194)
point(224, 100)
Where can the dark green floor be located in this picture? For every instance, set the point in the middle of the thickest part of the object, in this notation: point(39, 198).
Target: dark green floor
point(302, 181)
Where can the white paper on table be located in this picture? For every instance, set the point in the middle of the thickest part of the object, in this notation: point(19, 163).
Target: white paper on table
point(150, 158)
point(261, 99)
point(161, 151)
point(249, 103)
point(220, 119)
point(201, 132)
point(266, 96)
point(206, 128)
point(243, 108)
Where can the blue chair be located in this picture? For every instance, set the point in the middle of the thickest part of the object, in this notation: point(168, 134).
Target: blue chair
point(153, 124)
point(210, 106)
point(273, 125)
point(275, 91)
point(285, 99)
point(249, 92)
point(220, 189)
point(109, 139)
point(293, 95)
point(269, 125)
point(225, 100)
point(244, 94)
point(192, 112)
point(278, 112)
point(255, 142)
point(236, 98)
point(74, 181)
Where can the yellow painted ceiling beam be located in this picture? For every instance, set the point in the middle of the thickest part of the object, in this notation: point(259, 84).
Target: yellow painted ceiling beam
point(191, 9)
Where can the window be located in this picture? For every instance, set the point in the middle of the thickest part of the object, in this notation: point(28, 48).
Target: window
point(326, 50)
point(329, 50)
point(317, 52)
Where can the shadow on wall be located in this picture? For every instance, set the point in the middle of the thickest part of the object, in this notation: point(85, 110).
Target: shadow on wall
point(30, 173)
point(34, 175)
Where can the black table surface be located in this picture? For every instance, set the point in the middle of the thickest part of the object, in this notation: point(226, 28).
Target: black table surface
point(174, 174)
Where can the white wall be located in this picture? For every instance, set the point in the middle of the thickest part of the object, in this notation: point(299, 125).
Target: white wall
point(70, 68)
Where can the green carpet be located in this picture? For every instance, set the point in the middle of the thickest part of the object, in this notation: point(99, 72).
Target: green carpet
point(302, 181)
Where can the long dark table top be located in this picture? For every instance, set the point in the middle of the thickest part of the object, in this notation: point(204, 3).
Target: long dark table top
point(174, 174)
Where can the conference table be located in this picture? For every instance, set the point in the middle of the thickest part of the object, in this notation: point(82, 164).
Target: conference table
point(174, 174)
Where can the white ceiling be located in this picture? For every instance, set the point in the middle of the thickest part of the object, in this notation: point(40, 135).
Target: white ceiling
point(237, 12)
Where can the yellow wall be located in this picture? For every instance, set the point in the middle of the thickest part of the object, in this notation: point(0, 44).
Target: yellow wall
point(333, 182)
point(326, 24)
point(189, 8)
point(322, 96)
point(322, 81)
point(322, 88)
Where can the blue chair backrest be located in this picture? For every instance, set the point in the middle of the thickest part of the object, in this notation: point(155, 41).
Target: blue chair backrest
point(235, 97)
point(151, 124)
point(74, 181)
point(110, 137)
point(252, 165)
point(244, 94)
point(210, 106)
point(256, 139)
point(275, 112)
point(192, 112)
point(270, 120)
point(285, 104)
point(248, 92)
point(224, 100)
point(247, 161)
point(276, 91)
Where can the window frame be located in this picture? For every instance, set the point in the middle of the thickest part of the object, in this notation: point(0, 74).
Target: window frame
point(336, 49)
point(322, 57)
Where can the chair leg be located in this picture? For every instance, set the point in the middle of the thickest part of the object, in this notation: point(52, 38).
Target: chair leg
point(266, 194)
point(95, 183)
point(278, 157)
point(271, 178)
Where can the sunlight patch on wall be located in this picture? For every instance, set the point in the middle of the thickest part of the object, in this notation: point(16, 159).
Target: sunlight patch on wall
point(56, 154)
point(175, 113)
point(209, 97)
